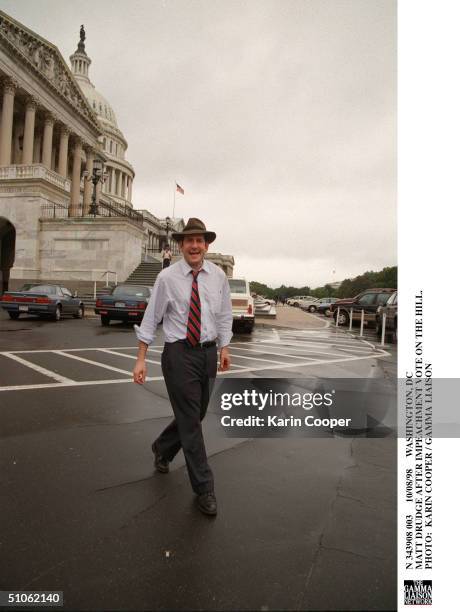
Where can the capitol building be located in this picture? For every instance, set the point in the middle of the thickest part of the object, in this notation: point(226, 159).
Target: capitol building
point(66, 185)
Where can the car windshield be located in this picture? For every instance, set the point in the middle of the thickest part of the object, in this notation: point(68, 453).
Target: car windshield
point(38, 289)
point(237, 285)
point(131, 291)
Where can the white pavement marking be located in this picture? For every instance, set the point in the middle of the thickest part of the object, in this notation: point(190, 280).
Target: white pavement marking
point(315, 363)
point(110, 352)
point(292, 341)
point(75, 350)
point(37, 368)
point(318, 345)
point(284, 366)
point(261, 359)
point(91, 362)
point(76, 383)
point(303, 355)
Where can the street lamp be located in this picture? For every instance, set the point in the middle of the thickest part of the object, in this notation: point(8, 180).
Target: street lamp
point(97, 176)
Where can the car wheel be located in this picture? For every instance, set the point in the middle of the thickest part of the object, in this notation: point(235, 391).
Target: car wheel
point(312, 309)
point(57, 313)
point(105, 320)
point(395, 333)
point(327, 312)
point(344, 317)
point(80, 312)
point(14, 315)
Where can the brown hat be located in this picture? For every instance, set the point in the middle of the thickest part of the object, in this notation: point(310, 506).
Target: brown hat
point(195, 226)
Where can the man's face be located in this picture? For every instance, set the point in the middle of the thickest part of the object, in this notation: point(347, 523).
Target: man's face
point(193, 248)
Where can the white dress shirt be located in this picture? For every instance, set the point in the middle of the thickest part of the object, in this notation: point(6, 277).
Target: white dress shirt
point(170, 301)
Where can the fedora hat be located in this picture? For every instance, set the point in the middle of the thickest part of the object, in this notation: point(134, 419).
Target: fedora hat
point(194, 226)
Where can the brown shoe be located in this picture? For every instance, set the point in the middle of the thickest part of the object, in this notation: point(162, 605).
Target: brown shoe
point(207, 503)
point(161, 464)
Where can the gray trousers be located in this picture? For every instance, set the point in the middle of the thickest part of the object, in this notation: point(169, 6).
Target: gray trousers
point(189, 374)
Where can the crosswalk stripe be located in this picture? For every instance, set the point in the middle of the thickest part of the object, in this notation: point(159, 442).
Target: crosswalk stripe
point(110, 352)
point(37, 368)
point(92, 362)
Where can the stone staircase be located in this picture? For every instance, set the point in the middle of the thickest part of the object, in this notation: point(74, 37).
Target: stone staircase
point(145, 274)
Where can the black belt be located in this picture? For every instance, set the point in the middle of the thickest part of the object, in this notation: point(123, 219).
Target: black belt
point(198, 345)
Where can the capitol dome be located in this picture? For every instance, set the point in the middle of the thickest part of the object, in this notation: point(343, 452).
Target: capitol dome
point(119, 170)
point(98, 103)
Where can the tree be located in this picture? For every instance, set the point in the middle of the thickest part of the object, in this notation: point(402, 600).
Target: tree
point(385, 278)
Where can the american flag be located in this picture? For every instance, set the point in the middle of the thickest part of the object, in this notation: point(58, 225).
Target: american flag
point(179, 189)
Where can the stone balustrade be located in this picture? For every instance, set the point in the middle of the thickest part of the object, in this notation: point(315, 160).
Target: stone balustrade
point(34, 172)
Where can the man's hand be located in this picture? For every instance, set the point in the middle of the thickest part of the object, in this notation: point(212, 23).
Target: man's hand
point(140, 371)
point(224, 359)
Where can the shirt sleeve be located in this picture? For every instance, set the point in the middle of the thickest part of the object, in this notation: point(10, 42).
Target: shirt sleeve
point(154, 312)
point(224, 319)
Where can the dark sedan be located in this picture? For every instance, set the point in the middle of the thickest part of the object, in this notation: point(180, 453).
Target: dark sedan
point(125, 303)
point(42, 300)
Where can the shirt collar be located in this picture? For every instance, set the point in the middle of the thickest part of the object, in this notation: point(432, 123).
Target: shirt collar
point(186, 269)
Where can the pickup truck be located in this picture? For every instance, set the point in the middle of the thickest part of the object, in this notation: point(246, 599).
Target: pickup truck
point(368, 301)
point(242, 305)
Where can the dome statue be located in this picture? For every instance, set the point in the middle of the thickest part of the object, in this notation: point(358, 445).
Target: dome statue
point(119, 170)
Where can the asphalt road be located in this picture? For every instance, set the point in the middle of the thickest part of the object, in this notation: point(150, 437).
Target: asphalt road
point(305, 524)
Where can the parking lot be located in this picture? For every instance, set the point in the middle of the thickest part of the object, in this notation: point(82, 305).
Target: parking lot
point(86, 513)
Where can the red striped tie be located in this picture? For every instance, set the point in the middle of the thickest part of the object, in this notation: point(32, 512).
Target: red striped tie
point(194, 314)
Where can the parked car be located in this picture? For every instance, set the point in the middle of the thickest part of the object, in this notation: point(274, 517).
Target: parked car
point(124, 303)
point(322, 305)
point(305, 304)
point(368, 301)
point(242, 305)
point(42, 300)
point(298, 299)
point(391, 322)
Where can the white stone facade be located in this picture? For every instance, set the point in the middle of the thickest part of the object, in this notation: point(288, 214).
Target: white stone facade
point(87, 251)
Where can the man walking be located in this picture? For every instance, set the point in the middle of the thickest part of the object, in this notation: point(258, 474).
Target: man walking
point(192, 297)
point(166, 256)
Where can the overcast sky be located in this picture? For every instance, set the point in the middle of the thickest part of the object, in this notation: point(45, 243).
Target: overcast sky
point(278, 118)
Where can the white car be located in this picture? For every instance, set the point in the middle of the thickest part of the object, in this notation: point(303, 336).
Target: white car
point(242, 305)
point(298, 299)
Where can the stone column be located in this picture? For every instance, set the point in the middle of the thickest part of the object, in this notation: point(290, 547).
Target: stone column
point(9, 89)
point(113, 181)
point(130, 190)
point(47, 141)
point(63, 151)
point(29, 131)
point(76, 178)
point(88, 188)
point(120, 176)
